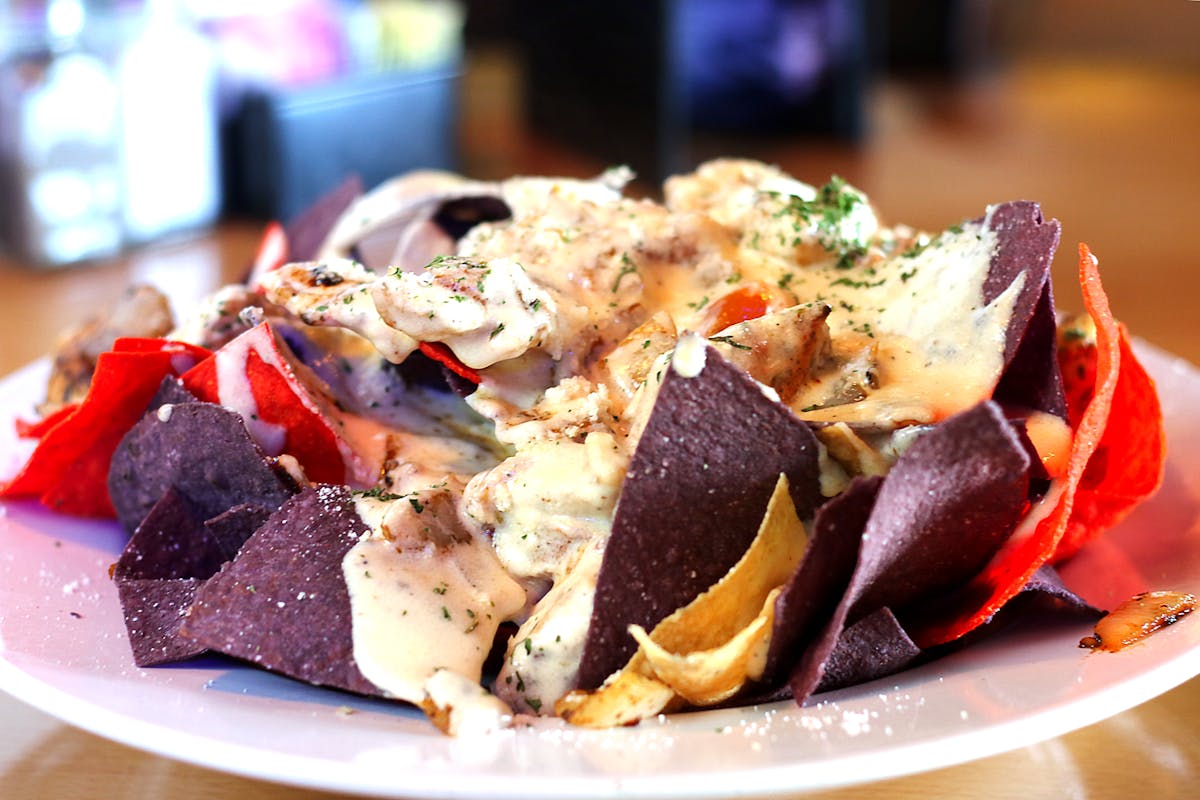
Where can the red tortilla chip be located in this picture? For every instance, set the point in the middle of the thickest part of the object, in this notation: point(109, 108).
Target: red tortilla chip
point(68, 471)
point(285, 409)
point(1127, 463)
point(39, 428)
point(1092, 494)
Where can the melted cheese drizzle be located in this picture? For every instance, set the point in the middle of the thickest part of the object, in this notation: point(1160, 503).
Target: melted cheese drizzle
point(418, 607)
point(939, 348)
point(235, 393)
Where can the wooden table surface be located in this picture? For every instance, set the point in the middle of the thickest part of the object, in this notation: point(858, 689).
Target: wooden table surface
point(1109, 150)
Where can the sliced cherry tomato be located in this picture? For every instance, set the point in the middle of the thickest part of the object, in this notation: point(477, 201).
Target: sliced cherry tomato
point(442, 354)
point(747, 302)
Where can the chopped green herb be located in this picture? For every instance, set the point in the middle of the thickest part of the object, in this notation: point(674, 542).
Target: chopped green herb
point(729, 341)
point(378, 493)
point(627, 268)
point(858, 284)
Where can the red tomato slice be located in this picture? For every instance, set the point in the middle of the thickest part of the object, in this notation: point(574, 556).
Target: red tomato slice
point(1121, 415)
point(748, 302)
point(442, 354)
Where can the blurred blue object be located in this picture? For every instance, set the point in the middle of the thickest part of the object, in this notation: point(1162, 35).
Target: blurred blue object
point(285, 148)
point(773, 65)
point(630, 81)
point(315, 91)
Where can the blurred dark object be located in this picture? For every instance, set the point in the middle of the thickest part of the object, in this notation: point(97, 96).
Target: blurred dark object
point(939, 38)
point(628, 81)
point(316, 90)
point(287, 147)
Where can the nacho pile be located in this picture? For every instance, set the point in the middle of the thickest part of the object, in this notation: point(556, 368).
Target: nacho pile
point(746, 443)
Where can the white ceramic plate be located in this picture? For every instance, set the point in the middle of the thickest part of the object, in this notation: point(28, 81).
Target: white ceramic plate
point(63, 649)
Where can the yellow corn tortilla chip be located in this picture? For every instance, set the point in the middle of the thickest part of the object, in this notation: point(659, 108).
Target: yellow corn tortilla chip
point(706, 677)
point(704, 652)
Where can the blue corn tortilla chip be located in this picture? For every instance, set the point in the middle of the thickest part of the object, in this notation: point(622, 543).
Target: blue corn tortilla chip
point(693, 498)
point(1025, 247)
point(811, 596)
point(202, 451)
point(230, 529)
point(171, 542)
point(950, 501)
point(170, 391)
point(157, 575)
point(1044, 597)
point(1032, 378)
point(282, 604)
point(306, 231)
point(154, 609)
point(874, 647)
point(167, 559)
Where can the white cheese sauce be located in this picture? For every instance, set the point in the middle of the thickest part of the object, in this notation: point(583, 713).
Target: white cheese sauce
point(235, 393)
point(424, 596)
point(937, 347)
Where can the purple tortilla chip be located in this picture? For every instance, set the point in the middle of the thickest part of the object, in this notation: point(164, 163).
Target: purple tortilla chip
point(202, 451)
point(950, 501)
point(1025, 244)
point(165, 561)
point(1032, 378)
point(230, 529)
point(692, 502)
point(873, 647)
point(306, 231)
point(171, 391)
point(1025, 247)
point(812, 594)
point(282, 603)
point(1045, 595)
point(428, 225)
point(154, 610)
point(171, 542)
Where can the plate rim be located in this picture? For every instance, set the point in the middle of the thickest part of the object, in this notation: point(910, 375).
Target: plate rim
point(854, 769)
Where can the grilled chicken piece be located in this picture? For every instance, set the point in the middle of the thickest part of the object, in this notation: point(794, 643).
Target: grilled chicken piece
point(140, 311)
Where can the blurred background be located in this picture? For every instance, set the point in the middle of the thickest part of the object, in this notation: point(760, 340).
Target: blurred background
point(149, 140)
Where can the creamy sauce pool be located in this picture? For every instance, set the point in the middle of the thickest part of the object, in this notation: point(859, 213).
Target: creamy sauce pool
point(938, 349)
point(422, 599)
